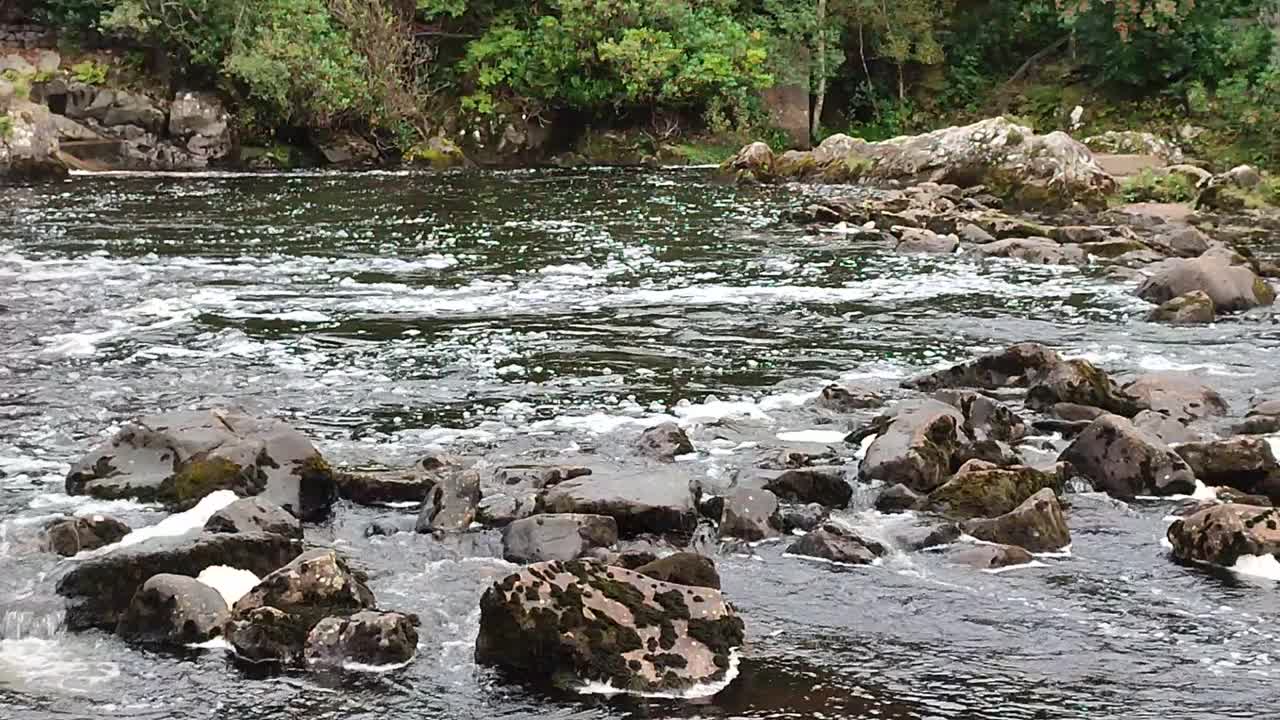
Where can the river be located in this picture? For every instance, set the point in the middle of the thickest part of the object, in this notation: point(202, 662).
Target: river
point(505, 313)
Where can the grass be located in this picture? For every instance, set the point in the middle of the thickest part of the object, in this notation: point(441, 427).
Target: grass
point(1149, 186)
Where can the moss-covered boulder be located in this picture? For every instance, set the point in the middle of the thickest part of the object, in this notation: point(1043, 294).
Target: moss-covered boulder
point(1193, 308)
point(1223, 534)
point(1037, 525)
point(578, 622)
point(990, 492)
point(1233, 287)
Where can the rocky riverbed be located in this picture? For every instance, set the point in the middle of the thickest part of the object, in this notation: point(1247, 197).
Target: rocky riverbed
point(471, 444)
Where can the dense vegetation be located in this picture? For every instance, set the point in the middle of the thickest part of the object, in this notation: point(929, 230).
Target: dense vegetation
point(405, 69)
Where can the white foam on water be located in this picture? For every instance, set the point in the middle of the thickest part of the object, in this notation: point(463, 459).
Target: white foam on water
point(366, 668)
point(813, 436)
point(1064, 552)
point(178, 523)
point(302, 316)
point(217, 643)
point(1010, 568)
point(1274, 441)
point(701, 690)
point(80, 505)
point(52, 664)
point(1263, 566)
point(231, 583)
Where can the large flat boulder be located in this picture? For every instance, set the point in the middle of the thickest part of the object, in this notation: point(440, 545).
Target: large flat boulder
point(654, 501)
point(1125, 461)
point(1222, 534)
point(1232, 287)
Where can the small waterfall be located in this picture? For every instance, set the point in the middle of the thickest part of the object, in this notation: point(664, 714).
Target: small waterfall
point(41, 624)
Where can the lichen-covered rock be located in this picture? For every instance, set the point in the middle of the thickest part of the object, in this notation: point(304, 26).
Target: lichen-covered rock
point(72, 535)
point(451, 505)
point(683, 568)
point(1079, 382)
point(379, 487)
point(29, 150)
point(917, 446)
point(1124, 461)
point(173, 610)
point(825, 485)
point(990, 557)
point(178, 458)
point(990, 492)
point(984, 417)
point(1037, 525)
point(750, 515)
point(374, 639)
point(1133, 142)
point(1035, 250)
point(838, 544)
point(313, 586)
point(1193, 308)
point(563, 537)
point(266, 635)
point(583, 622)
point(1246, 463)
point(1014, 366)
point(664, 442)
point(1222, 534)
point(254, 514)
point(1232, 287)
point(1180, 396)
point(655, 501)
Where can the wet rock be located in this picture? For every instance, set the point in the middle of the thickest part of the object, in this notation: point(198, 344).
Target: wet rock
point(992, 452)
point(266, 635)
point(841, 399)
point(1079, 382)
point(345, 149)
point(589, 622)
point(990, 557)
point(99, 590)
point(1222, 534)
point(1193, 308)
point(1180, 396)
point(538, 476)
point(376, 639)
point(173, 610)
point(1014, 366)
point(973, 234)
point(564, 537)
point(1124, 461)
point(683, 568)
point(500, 509)
point(755, 162)
point(899, 498)
point(386, 527)
point(1035, 250)
point(804, 518)
point(917, 447)
point(254, 515)
point(1079, 234)
point(202, 122)
point(837, 544)
point(315, 585)
point(925, 534)
point(823, 485)
point(180, 457)
point(657, 501)
point(1037, 525)
point(451, 504)
point(1246, 463)
point(29, 150)
point(750, 515)
point(1231, 287)
point(991, 492)
point(73, 535)
point(664, 442)
point(385, 486)
point(1182, 240)
point(925, 242)
point(1262, 419)
point(1170, 431)
point(984, 418)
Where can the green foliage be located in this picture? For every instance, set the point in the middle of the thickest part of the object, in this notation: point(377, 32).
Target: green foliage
point(90, 72)
point(21, 83)
point(1149, 186)
point(6, 127)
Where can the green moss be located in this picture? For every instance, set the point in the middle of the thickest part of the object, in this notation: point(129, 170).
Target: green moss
point(699, 153)
point(198, 478)
point(1151, 186)
point(1263, 291)
point(988, 493)
point(6, 127)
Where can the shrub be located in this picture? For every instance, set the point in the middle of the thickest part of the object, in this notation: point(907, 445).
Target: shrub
point(1149, 186)
point(90, 72)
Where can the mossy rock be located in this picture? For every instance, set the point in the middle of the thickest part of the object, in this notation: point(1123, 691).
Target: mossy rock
point(200, 477)
point(1264, 291)
point(990, 493)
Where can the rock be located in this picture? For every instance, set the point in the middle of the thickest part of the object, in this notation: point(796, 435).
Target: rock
point(451, 504)
point(438, 152)
point(345, 149)
point(29, 150)
point(587, 622)
point(1222, 534)
point(925, 242)
point(899, 498)
point(924, 534)
point(990, 557)
point(664, 442)
point(254, 515)
point(992, 452)
point(1193, 308)
point(1037, 525)
point(539, 476)
point(1080, 234)
point(683, 568)
point(984, 418)
point(173, 610)
point(135, 109)
point(100, 589)
point(838, 398)
point(1079, 382)
point(1124, 461)
point(1180, 396)
point(1191, 173)
point(1262, 419)
point(1036, 250)
point(72, 535)
point(648, 502)
point(202, 121)
point(973, 234)
point(313, 586)
point(1011, 367)
point(1182, 240)
point(750, 515)
point(47, 61)
point(823, 485)
point(753, 162)
point(991, 492)
point(1246, 463)
point(375, 639)
point(916, 448)
point(1232, 287)
point(178, 458)
point(16, 65)
point(563, 537)
point(266, 635)
point(1131, 142)
point(804, 518)
point(381, 487)
point(1170, 431)
point(837, 544)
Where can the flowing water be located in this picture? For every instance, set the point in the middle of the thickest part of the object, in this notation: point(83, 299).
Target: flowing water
point(508, 314)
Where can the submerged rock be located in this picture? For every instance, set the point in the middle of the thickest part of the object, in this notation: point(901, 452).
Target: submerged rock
point(990, 557)
point(563, 537)
point(179, 457)
point(1037, 525)
point(69, 536)
point(173, 610)
point(254, 515)
point(683, 568)
point(656, 501)
point(985, 492)
point(899, 498)
point(1124, 461)
point(837, 544)
point(584, 622)
point(916, 448)
point(376, 639)
point(750, 515)
point(1222, 534)
point(664, 442)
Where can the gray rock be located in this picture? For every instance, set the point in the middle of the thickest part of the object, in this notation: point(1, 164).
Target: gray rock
point(664, 442)
point(69, 536)
point(451, 505)
point(1246, 463)
point(173, 610)
point(990, 557)
point(1193, 308)
point(899, 498)
point(984, 418)
point(1231, 287)
point(1014, 366)
point(538, 476)
point(971, 233)
point(978, 491)
point(380, 487)
point(1221, 534)
point(563, 537)
point(750, 515)
point(1035, 250)
point(1180, 396)
point(1182, 240)
point(369, 638)
point(925, 242)
point(841, 399)
point(837, 544)
point(917, 446)
point(266, 635)
point(254, 515)
point(924, 534)
point(683, 568)
point(1079, 382)
point(823, 485)
point(1037, 525)
point(203, 122)
point(1166, 428)
point(1263, 418)
point(655, 501)
point(30, 150)
point(345, 149)
point(805, 518)
point(315, 585)
point(1124, 461)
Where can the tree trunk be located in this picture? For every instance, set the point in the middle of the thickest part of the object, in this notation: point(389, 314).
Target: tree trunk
point(815, 122)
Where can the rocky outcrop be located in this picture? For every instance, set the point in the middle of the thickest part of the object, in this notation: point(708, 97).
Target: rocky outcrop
point(254, 515)
point(1245, 463)
point(657, 501)
point(1179, 396)
point(750, 515)
point(371, 639)
point(1124, 461)
point(917, 446)
point(1193, 308)
point(1232, 287)
point(1222, 534)
point(452, 503)
point(983, 492)
point(173, 610)
point(683, 568)
point(1132, 142)
point(1037, 525)
point(664, 442)
point(178, 458)
point(564, 537)
point(29, 150)
point(202, 124)
point(72, 535)
point(1014, 366)
point(824, 485)
point(838, 544)
point(585, 622)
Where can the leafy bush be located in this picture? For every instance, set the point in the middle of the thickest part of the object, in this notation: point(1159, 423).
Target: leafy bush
point(1149, 186)
point(90, 72)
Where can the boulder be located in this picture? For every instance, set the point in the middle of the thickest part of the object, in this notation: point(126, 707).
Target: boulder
point(1180, 396)
point(99, 590)
point(584, 622)
point(498, 509)
point(990, 557)
point(173, 610)
point(973, 234)
point(837, 544)
point(824, 485)
point(752, 163)
point(1246, 463)
point(538, 476)
point(841, 399)
point(266, 635)
point(664, 442)
point(914, 241)
point(563, 537)
point(29, 150)
point(916, 448)
point(899, 498)
point(69, 536)
point(1079, 382)
point(1182, 240)
point(1124, 461)
point(1263, 418)
point(1037, 525)
point(990, 492)
point(345, 149)
point(655, 501)
point(1133, 142)
point(315, 585)
point(750, 515)
point(923, 534)
point(438, 152)
point(380, 487)
point(178, 458)
point(126, 108)
point(984, 417)
point(254, 515)
point(451, 504)
point(1035, 250)
point(804, 518)
point(683, 568)
point(203, 123)
point(367, 638)
point(1193, 308)
point(1014, 366)
point(1164, 427)
point(1231, 287)
point(1222, 534)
